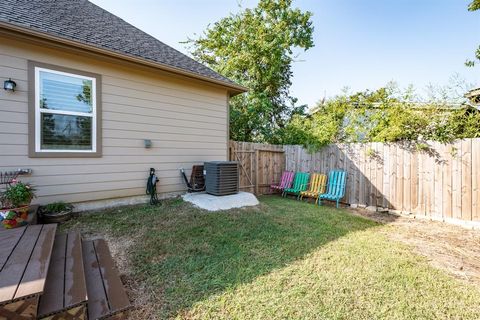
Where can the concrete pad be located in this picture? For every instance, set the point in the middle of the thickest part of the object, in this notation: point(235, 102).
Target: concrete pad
point(215, 203)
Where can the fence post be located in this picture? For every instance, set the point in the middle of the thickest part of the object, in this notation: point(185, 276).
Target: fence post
point(257, 152)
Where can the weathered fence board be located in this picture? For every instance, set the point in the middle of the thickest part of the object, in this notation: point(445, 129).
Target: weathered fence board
point(437, 180)
point(467, 179)
point(457, 180)
point(447, 182)
point(475, 179)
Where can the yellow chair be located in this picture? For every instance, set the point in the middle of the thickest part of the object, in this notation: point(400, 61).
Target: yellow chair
point(317, 186)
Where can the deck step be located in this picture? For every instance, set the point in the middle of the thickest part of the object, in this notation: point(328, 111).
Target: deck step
point(25, 255)
point(106, 295)
point(65, 294)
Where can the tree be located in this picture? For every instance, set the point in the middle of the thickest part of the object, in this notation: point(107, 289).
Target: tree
point(388, 114)
point(256, 48)
point(474, 6)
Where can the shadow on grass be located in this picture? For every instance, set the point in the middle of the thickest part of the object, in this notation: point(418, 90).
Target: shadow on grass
point(186, 255)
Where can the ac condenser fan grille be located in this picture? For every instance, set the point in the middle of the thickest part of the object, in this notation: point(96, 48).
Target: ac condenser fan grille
point(221, 177)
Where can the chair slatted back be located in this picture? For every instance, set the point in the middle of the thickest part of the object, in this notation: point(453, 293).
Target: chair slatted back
point(336, 183)
point(300, 182)
point(287, 180)
point(318, 183)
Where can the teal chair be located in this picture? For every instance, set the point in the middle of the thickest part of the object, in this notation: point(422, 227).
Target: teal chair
point(335, 187)
point(300, 183)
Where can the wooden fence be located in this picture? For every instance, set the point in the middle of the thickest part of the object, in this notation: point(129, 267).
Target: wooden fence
point(439, 181)
point(260, 165)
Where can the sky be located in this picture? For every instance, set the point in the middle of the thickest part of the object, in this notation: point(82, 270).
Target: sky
point(360, 44)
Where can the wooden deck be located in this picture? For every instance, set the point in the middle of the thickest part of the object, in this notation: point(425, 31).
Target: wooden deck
point(65, 297)
point(49, 276)
point(24, 260)
point(106, 295)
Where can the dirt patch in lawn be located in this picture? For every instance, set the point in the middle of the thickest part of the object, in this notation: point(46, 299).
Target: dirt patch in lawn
point(138, 293)
point(447, 247)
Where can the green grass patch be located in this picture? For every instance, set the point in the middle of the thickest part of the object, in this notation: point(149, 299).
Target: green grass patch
point(283, 260)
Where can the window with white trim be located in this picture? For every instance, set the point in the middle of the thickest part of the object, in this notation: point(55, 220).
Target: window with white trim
point(65, 112)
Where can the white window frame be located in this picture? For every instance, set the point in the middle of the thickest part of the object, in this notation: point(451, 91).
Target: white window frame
point(39, 111)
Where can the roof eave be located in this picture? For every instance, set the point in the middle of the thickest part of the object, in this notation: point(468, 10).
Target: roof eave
point(233, 89)
point(473, 93)
point(474, 97)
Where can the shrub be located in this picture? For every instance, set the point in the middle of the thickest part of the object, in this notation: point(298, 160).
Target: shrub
point(17, 195)
point(57, 207)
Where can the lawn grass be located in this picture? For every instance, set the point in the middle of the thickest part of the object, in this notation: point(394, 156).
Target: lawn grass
point(282, 260)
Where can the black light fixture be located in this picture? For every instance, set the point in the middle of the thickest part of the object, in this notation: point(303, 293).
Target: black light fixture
point(9, 85)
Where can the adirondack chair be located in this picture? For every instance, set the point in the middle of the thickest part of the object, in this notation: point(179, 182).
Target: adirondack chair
point(300, 183)
point(335, 188)
point(317, 186)
point(285, 182)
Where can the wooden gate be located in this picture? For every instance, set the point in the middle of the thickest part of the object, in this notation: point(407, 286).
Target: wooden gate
point(245, 159)
point(269, 167)
point(259, 165)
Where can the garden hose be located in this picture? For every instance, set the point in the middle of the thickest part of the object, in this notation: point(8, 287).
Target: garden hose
point(152, 187)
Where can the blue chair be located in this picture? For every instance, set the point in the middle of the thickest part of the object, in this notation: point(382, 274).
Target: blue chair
point(335, 187)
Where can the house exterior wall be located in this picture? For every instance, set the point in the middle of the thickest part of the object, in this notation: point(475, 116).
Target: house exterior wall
point(186, 120)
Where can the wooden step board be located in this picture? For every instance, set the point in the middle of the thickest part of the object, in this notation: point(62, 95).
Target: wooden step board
point(65, 295)
point(107, 298)
point(25, 255)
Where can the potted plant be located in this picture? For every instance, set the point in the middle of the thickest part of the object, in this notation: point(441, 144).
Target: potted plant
point(56, 212)
point(15, 203)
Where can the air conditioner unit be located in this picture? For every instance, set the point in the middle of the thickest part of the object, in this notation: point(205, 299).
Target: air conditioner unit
point(221, 177)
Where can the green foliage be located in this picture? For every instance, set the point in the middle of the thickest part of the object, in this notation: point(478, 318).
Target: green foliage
point(370, 153)
point(17, 195)
point(421, 146)
point(454, 151)
point(404, 123)
point(256, 49)
point(57, 207)
point(319, 129)
point(474, 6)
point(86, 95)
point(384, 115)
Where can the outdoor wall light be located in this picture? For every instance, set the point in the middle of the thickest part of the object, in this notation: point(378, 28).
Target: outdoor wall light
point(9, 85)
point(147, 143)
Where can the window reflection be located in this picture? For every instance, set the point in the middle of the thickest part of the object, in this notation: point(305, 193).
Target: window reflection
point(66, 132)
point(60, 92)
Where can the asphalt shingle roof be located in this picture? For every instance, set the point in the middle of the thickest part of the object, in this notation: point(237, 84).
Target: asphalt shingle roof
point(85, 22)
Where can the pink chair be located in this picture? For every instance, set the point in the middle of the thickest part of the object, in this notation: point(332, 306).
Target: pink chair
point(285, 182)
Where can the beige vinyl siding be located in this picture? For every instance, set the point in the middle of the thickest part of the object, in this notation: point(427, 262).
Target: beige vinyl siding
point(185, 119)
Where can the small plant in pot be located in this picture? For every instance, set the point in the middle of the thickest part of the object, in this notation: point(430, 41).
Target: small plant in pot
point(15, 202)
point(56, 212)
